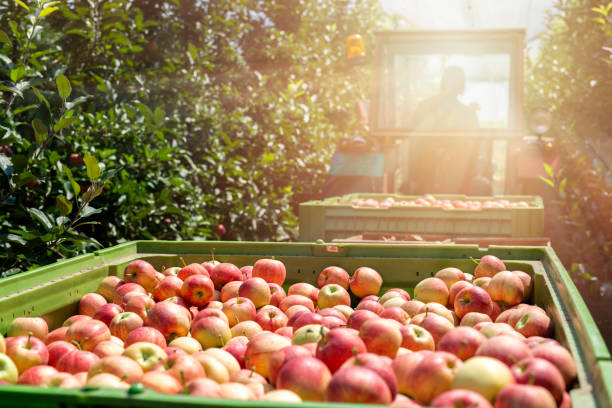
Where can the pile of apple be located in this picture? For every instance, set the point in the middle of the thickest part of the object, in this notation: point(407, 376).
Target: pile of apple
point(218, 331)
point(431, 201)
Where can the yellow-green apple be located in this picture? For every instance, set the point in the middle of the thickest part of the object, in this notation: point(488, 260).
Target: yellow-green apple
point(123, 367)
point(431, 290)
point(189, 344)
point(171, 271)
point(124, 323)
point(238, 310)
point(197, 290)
point(76, 361)
point(8, 369)
point(338, 345)
point(248, 328)
point(192, 269)
point(462, 342)
point(560, 357)
point(142, 273)
point(257, 290)
point(450, 276)
point(107, 380)
point(310, 333)
point(381, 336)
point(227, 359)
point(403, 365)
point(379, 364)
point(347, 311)
point(461, 398)
point(334, 274)
point(286, 331)
point(237, 347)
point(280, 357)
point(57, 350)
point(482, 282)
point(211, 332)
point(170, 286)
point(54, 335)
point(260, 349)
point(230, 290)
point(271, 270)
point(139, 304)
point(277, 294)
point(331, 295)
point(90, 303)
point(524, 396)
point(365, 281)
point(108, 348)
point(304, 289)
point(371, 305)
point(281, 396)
point(416, 338)
point(108, 286)
point(25, 326)
point(484, 375)
point(236, 391)
point(505, 348)
point(271, 318)
point(214, 369)
point(433, 375)
point(88, 333)
point(211, 312)
point(527, 283)
point(435, 324)
point(126, 288)
point(396, 313)
point(202, 387)
point(183, 367)
point(397, 301)
point(107, 312)
point(161, 382)
point(388, 295)
point(506, 287)
point(456, 288)
point(2, 344)
point(147, 334)
point(170, 319)
point(472, 299)
point(471, 319)
point(225, 272)
point(537, 371)
point(356, 320)
point(413, 307)
point(293, 300)
point(489, 265)
point(146, 355)
point(37, 375)
point(401, 291)
point(358, 385)
point(307, 376)
point(534, 323)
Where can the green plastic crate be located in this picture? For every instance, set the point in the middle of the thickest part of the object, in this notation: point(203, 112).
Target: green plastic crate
point(336, 218)
point(53, 291)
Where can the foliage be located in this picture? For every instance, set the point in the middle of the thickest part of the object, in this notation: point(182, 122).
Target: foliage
point(196, 114)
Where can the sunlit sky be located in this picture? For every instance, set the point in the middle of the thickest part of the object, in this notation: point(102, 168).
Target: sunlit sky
point(466, 14)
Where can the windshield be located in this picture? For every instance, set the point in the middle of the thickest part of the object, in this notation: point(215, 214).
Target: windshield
point(442, 85)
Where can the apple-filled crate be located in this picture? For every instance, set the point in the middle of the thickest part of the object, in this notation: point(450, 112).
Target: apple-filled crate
point(452, 215)
point(153, 323)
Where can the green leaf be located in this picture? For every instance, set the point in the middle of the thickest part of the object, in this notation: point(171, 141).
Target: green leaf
point(14, 238)
point(145, 111)
point(548, 181)
point(63, 122)
point(63, 86)
point(25, 178)
point(76, 102)
point(40, 130)
point(17, 73)
point(64, 206)
point(41, 97)
point(41, 217)
point(6, 165)
point(93, 169)
point(549, 170)
point(87, 211)
point(75, 186)
point(20, 162)
point(45, 12)
point(22, 4)
point(24, 109)
point(159, 115)
point(562, 185)
point(4, 38)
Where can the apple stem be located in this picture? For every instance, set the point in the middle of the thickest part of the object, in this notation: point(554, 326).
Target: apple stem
point(28, 345)
point(182, 373)
point(76, 344)
point(221, 339)
point(532, 378)
point(475, 261)
point(182, 261)
point(212, 254)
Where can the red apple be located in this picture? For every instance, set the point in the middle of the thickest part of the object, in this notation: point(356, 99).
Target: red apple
point(37, 375)
point(537, 371)
point(359, 317)
point(192, 269)
point(403, 365)
point(506, 287)
point(471, 319)
point(365, 281)
point(381, 336)
point(560, 357)
point(271, 270)
point(106, 380)
point(197, 290)
point(108, 286)
point(126, 288)
point(358, 385)
point(63, 380)
point(524, 396)
point(527, 283)
point(293, 300)
point(271, 318)
point(107, 312)
point(435, 324)
point(237, 348)
point(431, 290)
point(489, 265)
point(280, 357)
point(534, 323)
point(456, 288)
point(183, 367)
point(247, 272)
point(202, 387)
point(170, 319)
point(461, 398)
point(236, 391)
point(277, 294)
point(123, 367)
point(248, 328)
point(485, 375)
point(434, 375)
point(142, 273)
point(211, 312)
point(338, 345)
point(88, 333)
point(334, 274)
point(472, 299)
point(161, 382)
point(108, 348)
point(441, 310)
point(230, 290)
point(370, 305)
point(171, 271)
point(416, 338)
point(124, 323)
point(402, 401)
point(379, 364)
point(146, 334)
point(260, 350)
point(413, 307)
point(286, 331)
point(308, 377)
point(90, 303)
point(76, 361)
point(450, 276)
point(482, 282)
point(396, 313)
point(139, 304)
point(25, 326)
point(506, 349)
point(211, 332)
point(239, 310)
point(170, 286)
point(462, 342)
point(304, 289)
point(332, 311)
point(55, 335)
point(257, 290)
point(224, 273)
point(57, 350)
